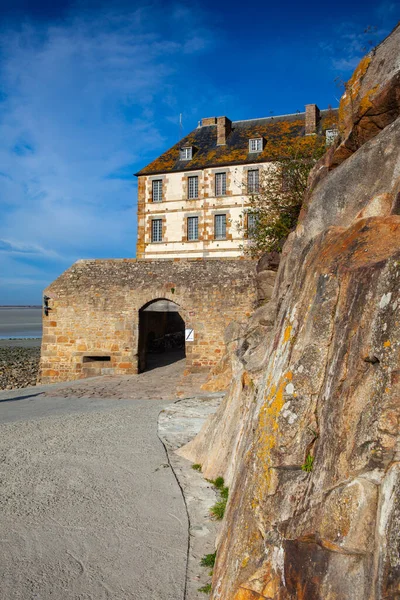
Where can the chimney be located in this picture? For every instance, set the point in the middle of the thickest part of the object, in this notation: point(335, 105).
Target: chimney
point(312, 118)
point(208, 121)
point(224, 127)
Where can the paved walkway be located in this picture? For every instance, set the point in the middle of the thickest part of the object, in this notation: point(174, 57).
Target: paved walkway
point(89, 508)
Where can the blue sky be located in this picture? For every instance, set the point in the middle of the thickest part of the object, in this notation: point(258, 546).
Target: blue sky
point(90, 92)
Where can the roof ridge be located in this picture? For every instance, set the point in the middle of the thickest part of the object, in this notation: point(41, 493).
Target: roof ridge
point(279, 116)
point(265, 118)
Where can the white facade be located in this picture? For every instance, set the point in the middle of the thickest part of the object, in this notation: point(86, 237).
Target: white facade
point(176, 207)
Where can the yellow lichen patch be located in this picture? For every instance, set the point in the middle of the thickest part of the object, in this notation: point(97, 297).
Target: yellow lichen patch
point(245, 562)
point(365, 102)
point(352, 90)
point(268, 426)
point(387, 344)
point(286, 335)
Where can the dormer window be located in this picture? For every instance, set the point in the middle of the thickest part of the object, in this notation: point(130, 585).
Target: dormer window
point(330, 136)
point(256, 145)
point(186, 153)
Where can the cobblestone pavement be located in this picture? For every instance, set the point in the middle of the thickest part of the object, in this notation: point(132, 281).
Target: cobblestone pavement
point(89, 507)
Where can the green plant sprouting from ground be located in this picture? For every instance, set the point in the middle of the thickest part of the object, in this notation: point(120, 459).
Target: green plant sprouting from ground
point(308, 464)
point(208, 560)
point(196, 467)
point(218, 510)
point(206, 589)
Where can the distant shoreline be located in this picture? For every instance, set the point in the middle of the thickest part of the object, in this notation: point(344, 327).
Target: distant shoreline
point(20, 306)
point(35, 342)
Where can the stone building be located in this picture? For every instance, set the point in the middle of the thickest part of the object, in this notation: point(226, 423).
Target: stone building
point(190, 278)
point(192, 200)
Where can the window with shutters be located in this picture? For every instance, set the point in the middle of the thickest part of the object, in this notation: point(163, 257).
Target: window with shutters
point(220, 184)
point(157, 190)
point(193, 228)
point(156, 230)
point(253, 179)
point(220, 227)
point(193, 187)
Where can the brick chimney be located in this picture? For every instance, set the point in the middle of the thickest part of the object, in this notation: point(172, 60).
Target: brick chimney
point(208, 121)
point(312, 118)
point(224, 127)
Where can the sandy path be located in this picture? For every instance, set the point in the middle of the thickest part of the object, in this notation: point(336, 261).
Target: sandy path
point(89, 508)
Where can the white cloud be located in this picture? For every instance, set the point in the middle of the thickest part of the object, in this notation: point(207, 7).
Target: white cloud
point(79, 112)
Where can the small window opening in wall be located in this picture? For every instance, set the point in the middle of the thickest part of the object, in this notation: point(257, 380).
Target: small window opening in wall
point(157, 190)
point(220, 227)
point(193, 187)
point(87, 359)
point(156, 230)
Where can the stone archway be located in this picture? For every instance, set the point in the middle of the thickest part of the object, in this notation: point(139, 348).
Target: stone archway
point(161, 334)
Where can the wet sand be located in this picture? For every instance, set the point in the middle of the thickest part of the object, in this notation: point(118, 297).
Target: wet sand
point(21, 343)
point(20, 322)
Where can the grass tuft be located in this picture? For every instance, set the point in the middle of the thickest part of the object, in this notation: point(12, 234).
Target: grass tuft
point(196, 467)
point(218, 510)
point(219, 483)
point(206, 589)
point(208, 560)
point(308, 464)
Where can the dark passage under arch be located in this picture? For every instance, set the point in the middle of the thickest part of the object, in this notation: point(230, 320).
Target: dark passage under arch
point(161, 334)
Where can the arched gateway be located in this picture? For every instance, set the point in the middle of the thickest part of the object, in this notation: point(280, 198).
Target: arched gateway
point(161, 334)
point(108, 317)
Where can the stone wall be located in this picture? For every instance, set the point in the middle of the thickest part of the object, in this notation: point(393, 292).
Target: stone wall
point(94, 312)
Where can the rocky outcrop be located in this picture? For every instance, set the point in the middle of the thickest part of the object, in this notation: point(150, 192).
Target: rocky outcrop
point(308, 435)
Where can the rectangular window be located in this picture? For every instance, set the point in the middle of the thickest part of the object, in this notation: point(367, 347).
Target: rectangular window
point(255, 145)
point(193, 228)
point(156, 230)
point(220, 184)
point(220, 227)
point(331, 135)
point(251, 224)
point(193, 187)
point(253, 180)
point(186, 153)
point(157, 190)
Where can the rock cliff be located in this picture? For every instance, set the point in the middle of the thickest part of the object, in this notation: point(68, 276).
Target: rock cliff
point(308, 435)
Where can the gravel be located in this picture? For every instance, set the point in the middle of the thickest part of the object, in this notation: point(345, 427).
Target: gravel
point(19, 367)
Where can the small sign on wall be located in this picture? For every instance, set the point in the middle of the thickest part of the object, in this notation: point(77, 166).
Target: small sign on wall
point(189, 335)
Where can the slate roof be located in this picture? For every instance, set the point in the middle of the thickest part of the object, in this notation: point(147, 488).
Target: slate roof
point(207, 154)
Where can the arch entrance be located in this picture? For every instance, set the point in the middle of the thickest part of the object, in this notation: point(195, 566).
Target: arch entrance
point(161, 334)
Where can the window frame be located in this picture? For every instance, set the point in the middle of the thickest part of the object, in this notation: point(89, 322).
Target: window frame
point(254, 186)
point(154, 184)
point(191, 178)
point(258, 142)
point(195, 220)
point(220, 176)
point(249, 217)
point(331, 135)
point(158, 220)
point(216, 218)
point(186, 150)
